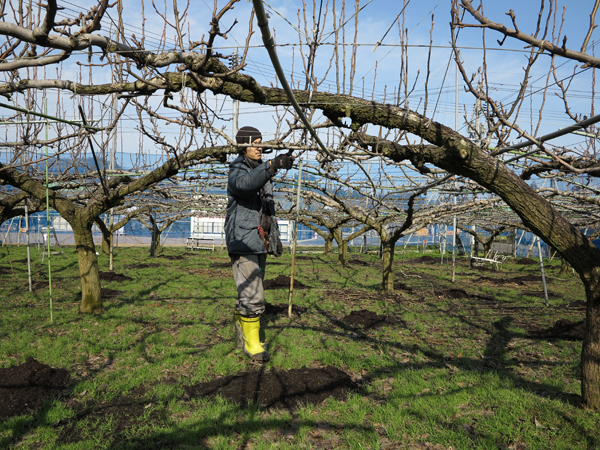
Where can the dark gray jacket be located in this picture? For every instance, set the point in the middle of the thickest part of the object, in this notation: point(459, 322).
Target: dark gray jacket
point(244, 209)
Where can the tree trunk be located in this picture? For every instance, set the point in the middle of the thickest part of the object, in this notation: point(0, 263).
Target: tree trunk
point(91, 298)
point(106, 243)
point(487, 247)
point(343, 255)
point(590, 354)
point(564, 266)
point(328, 244)
point(387, 283)
point(343, 258)
point(106, 236)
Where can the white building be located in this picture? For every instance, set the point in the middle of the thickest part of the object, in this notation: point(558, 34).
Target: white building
point(212, 228)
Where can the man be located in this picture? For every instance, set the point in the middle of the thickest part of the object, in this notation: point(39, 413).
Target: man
point(251, 232)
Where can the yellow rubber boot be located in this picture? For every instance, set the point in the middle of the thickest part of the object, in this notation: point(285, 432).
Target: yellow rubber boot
point(251, 339)
point(239, 334)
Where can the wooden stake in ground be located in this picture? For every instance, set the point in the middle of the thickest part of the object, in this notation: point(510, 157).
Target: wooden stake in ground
point(295, 239)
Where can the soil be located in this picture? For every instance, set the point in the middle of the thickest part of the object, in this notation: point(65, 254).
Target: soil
point(398, 286)
point(577, 304)
point(359, 262)
point(212, 273)
point(280, 309)
point(5, 270)
point(366, 319)
point(143, 266)
point(285, 389)
point(426, 259)
point(562, 329)
point(173, 257)
point(541, 294)
point(452, 293)
point(221, 265)
point(516, 280)
point(111, 276)
point(527, 261)
point(304, 258)
point(283, 282)
point(25, 387)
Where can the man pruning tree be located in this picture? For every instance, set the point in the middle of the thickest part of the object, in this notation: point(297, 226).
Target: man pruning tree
point(251, 233)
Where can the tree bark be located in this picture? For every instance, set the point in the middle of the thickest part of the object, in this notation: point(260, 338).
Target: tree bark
point(107, 236)
point(487, 247)
point(564, 267)
point(590, 354)
point(343, 258)
point(328, 248)
point(91, 298)
point(343, 255)
point(388, 247)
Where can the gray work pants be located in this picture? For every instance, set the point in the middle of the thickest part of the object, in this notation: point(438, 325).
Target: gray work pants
point(248, 273)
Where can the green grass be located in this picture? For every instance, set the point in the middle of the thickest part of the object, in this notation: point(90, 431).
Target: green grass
point(458, 373)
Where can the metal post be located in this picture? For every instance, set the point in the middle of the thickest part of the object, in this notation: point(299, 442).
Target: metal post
point(542, 267)
point(28, 252)
point(48, 216)
point(111, 166)
point(295, 239)
point(454, 250)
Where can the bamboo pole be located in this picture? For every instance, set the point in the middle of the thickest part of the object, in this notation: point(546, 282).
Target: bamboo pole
point(28, 252)
point(539, 245)
point(290, 301)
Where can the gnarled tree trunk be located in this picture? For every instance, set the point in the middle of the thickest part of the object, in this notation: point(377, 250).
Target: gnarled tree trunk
point(328, 248)
point(343, 251)
point(388, 246)
point(590, 354)
point(91, 298)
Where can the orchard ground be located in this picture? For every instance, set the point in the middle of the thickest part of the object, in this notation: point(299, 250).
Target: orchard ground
point(478, 363)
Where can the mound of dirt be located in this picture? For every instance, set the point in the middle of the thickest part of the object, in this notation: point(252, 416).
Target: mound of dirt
point(358, 262)
point(562, 329)
point(367, 319)
point(283, 389)
point(541, 294)
point(24, 388)
point(173, 257)
point(280, 309)
point(304, 258)
point(426, 259)
point(111, 276)
point(526, 261)
point(516, 280)
point(283, 282)
point(402, 287)
point(577, 304)
point(221, 265)
point(452, 293)
point(526, 279)
point(143, 266)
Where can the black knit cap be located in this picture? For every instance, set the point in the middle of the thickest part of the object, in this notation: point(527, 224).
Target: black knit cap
point(247, 135)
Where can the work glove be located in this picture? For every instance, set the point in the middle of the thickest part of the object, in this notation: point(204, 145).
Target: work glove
point(282, 162)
